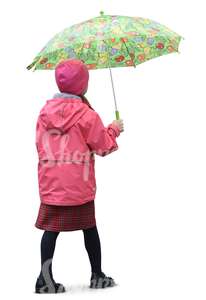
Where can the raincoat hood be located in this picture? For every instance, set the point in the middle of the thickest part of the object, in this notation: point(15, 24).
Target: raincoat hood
point(62, 112)
point(72, 76)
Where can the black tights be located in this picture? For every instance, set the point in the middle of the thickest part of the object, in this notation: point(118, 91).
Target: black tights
point(92, 245)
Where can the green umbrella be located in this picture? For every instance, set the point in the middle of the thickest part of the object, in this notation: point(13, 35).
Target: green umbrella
point(108, 41)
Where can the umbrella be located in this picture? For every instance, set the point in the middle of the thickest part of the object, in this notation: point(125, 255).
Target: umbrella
point(108, 41)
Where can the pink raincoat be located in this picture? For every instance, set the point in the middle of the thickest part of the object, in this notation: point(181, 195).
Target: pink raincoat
point(68, 135)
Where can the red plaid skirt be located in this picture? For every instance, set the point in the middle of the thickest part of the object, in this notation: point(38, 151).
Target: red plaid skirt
point(66, 218)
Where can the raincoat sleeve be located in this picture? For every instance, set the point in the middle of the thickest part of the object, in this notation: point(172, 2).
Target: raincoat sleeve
point(101, 139)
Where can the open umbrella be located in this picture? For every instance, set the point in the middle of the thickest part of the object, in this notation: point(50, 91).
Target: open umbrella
point(108, 41)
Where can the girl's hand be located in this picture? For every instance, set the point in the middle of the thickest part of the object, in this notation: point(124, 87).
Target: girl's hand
point(119, 124)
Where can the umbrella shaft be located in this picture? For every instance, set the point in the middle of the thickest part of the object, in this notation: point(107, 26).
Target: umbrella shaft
point(115, 101)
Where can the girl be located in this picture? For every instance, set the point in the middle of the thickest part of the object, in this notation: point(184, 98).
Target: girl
point(68, 134)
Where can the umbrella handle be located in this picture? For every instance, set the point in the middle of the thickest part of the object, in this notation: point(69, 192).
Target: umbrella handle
point(117, 114)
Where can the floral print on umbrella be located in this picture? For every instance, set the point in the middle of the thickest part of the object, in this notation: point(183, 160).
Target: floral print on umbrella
point(109, 40)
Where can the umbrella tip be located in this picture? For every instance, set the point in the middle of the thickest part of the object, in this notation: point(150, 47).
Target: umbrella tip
point(101, 13)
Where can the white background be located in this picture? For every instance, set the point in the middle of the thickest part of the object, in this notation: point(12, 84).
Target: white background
point(150, 204)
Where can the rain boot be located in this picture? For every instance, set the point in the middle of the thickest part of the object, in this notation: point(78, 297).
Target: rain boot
point(101, 281)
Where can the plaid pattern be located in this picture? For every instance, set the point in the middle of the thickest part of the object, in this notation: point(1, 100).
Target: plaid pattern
point(66, 218)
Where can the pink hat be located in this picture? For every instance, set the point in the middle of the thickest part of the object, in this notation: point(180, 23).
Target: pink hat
point(72, 76)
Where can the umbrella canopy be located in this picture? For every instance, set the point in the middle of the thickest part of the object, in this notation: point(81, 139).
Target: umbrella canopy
point(108, 41)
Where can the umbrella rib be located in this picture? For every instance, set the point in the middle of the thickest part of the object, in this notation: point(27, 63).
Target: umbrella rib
point(79, 55)
point(107, 53)
point(129, 53)
point(126, 46)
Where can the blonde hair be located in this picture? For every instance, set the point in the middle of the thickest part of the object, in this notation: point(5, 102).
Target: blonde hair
point(85, 100)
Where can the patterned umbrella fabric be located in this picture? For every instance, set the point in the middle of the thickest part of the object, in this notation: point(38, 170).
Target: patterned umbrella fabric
point(108, 41)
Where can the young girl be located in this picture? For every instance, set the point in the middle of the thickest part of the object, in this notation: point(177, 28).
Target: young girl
point(68, 134)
